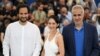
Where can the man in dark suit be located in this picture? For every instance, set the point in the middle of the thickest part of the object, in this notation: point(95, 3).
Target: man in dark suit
point(80, 38)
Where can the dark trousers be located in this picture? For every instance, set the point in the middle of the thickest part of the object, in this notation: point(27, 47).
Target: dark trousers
point(1, 54)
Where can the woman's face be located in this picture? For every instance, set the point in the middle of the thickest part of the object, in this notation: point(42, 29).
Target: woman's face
point(52, 24)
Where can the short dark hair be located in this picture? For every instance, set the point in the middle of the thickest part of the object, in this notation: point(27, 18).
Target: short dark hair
point(63, 6)
point(86, 8)
point(23, 6)
point(55, 18)
point(38, 4)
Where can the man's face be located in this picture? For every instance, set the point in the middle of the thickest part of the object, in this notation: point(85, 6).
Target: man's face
point(63, 11)
point(23, 14)
point(41, 7)
point(86, 11)
point(78, 15)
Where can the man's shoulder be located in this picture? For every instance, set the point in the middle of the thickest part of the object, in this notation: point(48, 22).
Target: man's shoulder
point(69, 26)
point(32, 25)
point(90, 26)
point(13, 24)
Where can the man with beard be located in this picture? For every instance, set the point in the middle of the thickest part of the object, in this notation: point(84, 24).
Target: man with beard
point(22, 38)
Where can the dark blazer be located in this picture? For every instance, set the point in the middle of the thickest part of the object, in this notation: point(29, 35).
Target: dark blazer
point(90, 47)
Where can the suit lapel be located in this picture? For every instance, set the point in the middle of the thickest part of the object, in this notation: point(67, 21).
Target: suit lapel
point(72, 38)
point(85, 38)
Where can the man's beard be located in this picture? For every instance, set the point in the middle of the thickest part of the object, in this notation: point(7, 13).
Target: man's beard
point(23, 19)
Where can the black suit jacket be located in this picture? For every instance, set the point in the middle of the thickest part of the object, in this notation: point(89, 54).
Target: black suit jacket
point(90, 47)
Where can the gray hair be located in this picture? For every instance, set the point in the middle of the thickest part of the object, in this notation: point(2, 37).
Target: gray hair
point(78, 7)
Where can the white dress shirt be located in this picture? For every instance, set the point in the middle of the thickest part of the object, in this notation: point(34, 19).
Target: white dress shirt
point(22, 40)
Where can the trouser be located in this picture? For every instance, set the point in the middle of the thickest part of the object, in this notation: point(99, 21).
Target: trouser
point(1, 54)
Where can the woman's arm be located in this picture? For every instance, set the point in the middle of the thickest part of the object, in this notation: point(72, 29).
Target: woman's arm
point(43, 52)
point(60, 44)
point(2, 36)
